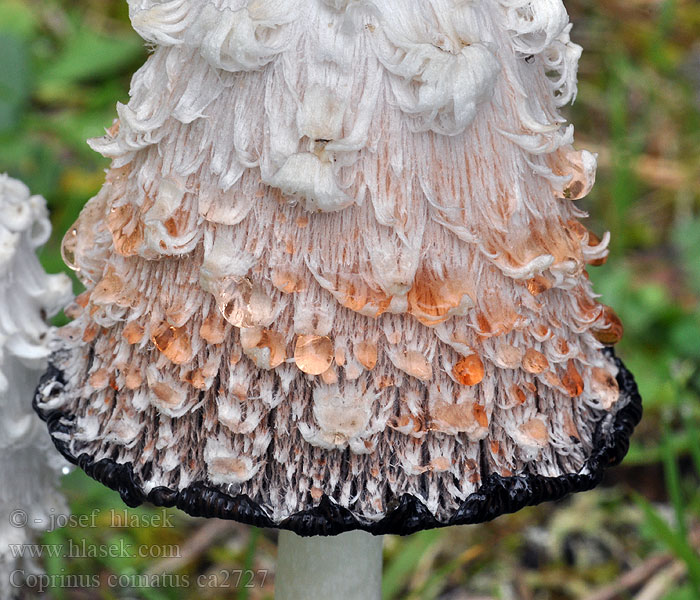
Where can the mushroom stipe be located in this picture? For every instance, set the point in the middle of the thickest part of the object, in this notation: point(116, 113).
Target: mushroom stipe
point(405, 514)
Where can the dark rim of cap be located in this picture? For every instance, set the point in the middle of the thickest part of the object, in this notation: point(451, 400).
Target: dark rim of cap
point(406, 514)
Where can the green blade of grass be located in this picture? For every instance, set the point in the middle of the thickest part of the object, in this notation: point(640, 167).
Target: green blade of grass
point(693, 434)
point(673, 540)
point(673, 482)
point(55, 563)
point(439, 579)
point(398, 570)
point(249, 561)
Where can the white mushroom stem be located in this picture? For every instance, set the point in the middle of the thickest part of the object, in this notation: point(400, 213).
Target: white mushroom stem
point(29, 465)
point(347, 566)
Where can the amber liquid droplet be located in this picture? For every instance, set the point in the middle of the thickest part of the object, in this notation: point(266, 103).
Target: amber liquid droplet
point(68, 247)
point(173, 342)
point(244, 304)
point(538, 284)
point(480, 415)
point(469, 370)
point(612, 330)
point(313, 354)
point(431, 301)
point(534, 361)
point(572, 381)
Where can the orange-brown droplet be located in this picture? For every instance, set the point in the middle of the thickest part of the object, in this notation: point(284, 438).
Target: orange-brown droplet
point(480, 416)
point(366, 353)
point(534, 361)
point(538, 284)
point(359, 297)
point(610, 330)
point(431, 301)
point(313, 354)
point(572, 381)
point(173, 342)
point(469, 370)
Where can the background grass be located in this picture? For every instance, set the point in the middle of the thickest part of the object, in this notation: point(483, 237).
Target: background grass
point(66, 63)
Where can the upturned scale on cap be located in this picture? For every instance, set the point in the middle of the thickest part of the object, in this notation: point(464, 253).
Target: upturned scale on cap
point(336, 275)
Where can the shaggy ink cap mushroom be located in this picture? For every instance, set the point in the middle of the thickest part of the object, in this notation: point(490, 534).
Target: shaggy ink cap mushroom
point(29, 465)
point(336, 277)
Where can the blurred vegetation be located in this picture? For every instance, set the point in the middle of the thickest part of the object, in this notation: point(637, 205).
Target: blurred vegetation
point(64, 66)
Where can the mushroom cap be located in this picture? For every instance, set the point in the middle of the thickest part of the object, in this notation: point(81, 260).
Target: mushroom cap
point(336, 277)
point(406, 513)
point(29, 466)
